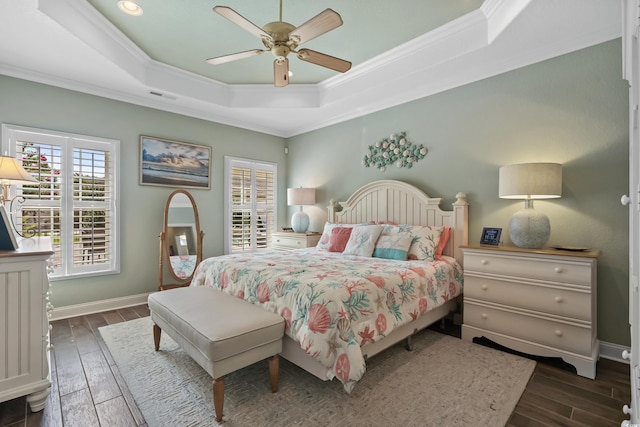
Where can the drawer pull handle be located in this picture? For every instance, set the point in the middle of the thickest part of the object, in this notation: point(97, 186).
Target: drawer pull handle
point(626, 355)
point(484, 315)
point(626, 410)
point(558, 333)
point(558, 269)
point(484, 287)
point(559, 299)
point(484, 262)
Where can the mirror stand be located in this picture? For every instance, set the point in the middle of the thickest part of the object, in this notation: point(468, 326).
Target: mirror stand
point(181, 241)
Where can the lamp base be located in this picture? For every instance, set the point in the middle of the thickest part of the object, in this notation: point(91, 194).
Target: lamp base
point(300, 222)
point(529, 228)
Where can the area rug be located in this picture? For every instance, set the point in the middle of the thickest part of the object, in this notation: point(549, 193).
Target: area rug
point(444, 381)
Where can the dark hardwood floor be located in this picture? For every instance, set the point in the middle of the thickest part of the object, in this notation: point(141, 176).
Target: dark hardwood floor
point(87, 389)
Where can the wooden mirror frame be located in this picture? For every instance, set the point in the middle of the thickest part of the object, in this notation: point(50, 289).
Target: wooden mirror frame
point(165, 245)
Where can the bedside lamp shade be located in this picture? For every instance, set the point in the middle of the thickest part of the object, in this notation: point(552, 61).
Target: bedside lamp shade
point(301, 197)
point(529, 228)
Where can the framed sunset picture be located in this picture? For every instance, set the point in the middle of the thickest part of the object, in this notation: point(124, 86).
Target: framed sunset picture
point(174, 164)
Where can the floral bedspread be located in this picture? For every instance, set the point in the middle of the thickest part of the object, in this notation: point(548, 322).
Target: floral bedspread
point(333, 303)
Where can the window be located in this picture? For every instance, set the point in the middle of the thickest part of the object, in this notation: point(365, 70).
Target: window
point(75, 201)
point(250, 204)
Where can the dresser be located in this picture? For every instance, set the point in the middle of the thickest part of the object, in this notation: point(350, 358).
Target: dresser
point(536, 301)
point(286, 240)
point(24, 322)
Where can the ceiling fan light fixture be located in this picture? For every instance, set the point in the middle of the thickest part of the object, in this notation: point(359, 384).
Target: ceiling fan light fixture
point(130, 7)
point(282, 38)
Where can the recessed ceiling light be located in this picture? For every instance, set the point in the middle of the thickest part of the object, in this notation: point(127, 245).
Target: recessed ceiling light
point(130, 7)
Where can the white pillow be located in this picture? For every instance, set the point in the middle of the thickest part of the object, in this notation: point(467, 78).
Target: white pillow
point(363, 240)
point(393, 246)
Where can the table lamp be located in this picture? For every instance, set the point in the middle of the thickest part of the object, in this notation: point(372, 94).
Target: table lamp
point(300, 196)
point(529, 228)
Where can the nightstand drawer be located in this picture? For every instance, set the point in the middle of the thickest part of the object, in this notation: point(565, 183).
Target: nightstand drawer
point(575, 304)
point(290, 242)
point(548, 332)
point(553, 270)
point(285, 241)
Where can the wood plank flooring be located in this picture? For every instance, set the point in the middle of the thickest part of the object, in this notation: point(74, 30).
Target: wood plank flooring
point(87, 389)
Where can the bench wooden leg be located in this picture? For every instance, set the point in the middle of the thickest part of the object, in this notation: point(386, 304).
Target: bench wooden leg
point(274, 368)
point(156, 336)
point(218, 397)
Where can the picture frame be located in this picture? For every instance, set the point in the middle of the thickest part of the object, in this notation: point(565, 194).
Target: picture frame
point(490, 236)
point(168, 163)
point(8, 240)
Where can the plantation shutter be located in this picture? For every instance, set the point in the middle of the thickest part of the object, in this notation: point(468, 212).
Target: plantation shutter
point(251, 198)
point(73, 201)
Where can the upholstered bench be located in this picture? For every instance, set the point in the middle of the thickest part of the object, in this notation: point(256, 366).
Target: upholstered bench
point(220, 332)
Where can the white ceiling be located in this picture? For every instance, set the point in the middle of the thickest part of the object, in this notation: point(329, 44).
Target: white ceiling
point(70, 44)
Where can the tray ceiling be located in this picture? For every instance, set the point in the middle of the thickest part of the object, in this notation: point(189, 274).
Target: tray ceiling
point(401, 51)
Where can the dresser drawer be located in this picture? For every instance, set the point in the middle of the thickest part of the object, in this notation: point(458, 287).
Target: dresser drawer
point(575, 304)
point(559, 335)
point(545, 269)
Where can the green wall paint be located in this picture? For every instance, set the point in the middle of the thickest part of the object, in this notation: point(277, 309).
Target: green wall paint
point(142, 207)
point(572, 110)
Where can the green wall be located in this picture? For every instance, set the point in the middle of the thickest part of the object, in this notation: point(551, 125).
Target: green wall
point(142, 207)
point(572, 110)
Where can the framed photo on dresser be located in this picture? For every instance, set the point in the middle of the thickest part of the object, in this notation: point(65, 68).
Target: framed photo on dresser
point(490, 236)
point(7, 237)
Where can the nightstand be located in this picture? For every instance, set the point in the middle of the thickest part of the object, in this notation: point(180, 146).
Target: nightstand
point(286, 240)
point(536, 301)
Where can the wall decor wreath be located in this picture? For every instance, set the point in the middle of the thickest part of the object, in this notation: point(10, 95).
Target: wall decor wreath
point(395, 149)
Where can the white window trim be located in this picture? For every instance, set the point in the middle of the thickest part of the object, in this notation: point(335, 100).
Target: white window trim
point(9, 139)
point(230, 162)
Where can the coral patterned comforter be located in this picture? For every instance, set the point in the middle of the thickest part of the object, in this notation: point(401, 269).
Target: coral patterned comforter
point(333, 303)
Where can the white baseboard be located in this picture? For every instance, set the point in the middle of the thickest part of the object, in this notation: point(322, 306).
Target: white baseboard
point(613, 351)
point(97, 306)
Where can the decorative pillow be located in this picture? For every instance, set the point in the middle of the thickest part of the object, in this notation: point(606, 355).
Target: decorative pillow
point(339, 238)
point(394, 246)
point(425, 242)
point(444, 238)
point(363, 240)
point(325, 239)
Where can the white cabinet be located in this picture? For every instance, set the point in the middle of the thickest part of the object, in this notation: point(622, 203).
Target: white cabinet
point(286, 241)
point(24, 322)
point(540, 302)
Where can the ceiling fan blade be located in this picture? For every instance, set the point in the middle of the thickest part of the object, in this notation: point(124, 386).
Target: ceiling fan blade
point(234, 56)
point(281, 72)
point(316, 26)
point(324, 60)
point(236, 18)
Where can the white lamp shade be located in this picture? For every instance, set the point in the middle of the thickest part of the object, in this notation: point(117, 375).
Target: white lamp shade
point(12, 172)
point(531, 181)
point(301, 196)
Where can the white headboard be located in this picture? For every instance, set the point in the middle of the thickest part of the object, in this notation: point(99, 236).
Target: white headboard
point(402, 203)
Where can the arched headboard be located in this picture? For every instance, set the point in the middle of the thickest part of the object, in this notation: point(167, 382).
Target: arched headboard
point(402, 203)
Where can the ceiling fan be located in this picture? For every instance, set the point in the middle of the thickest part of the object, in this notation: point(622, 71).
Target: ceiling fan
point(282, 38)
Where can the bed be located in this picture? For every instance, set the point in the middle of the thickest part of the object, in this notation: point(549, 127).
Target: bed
point(340, 306)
